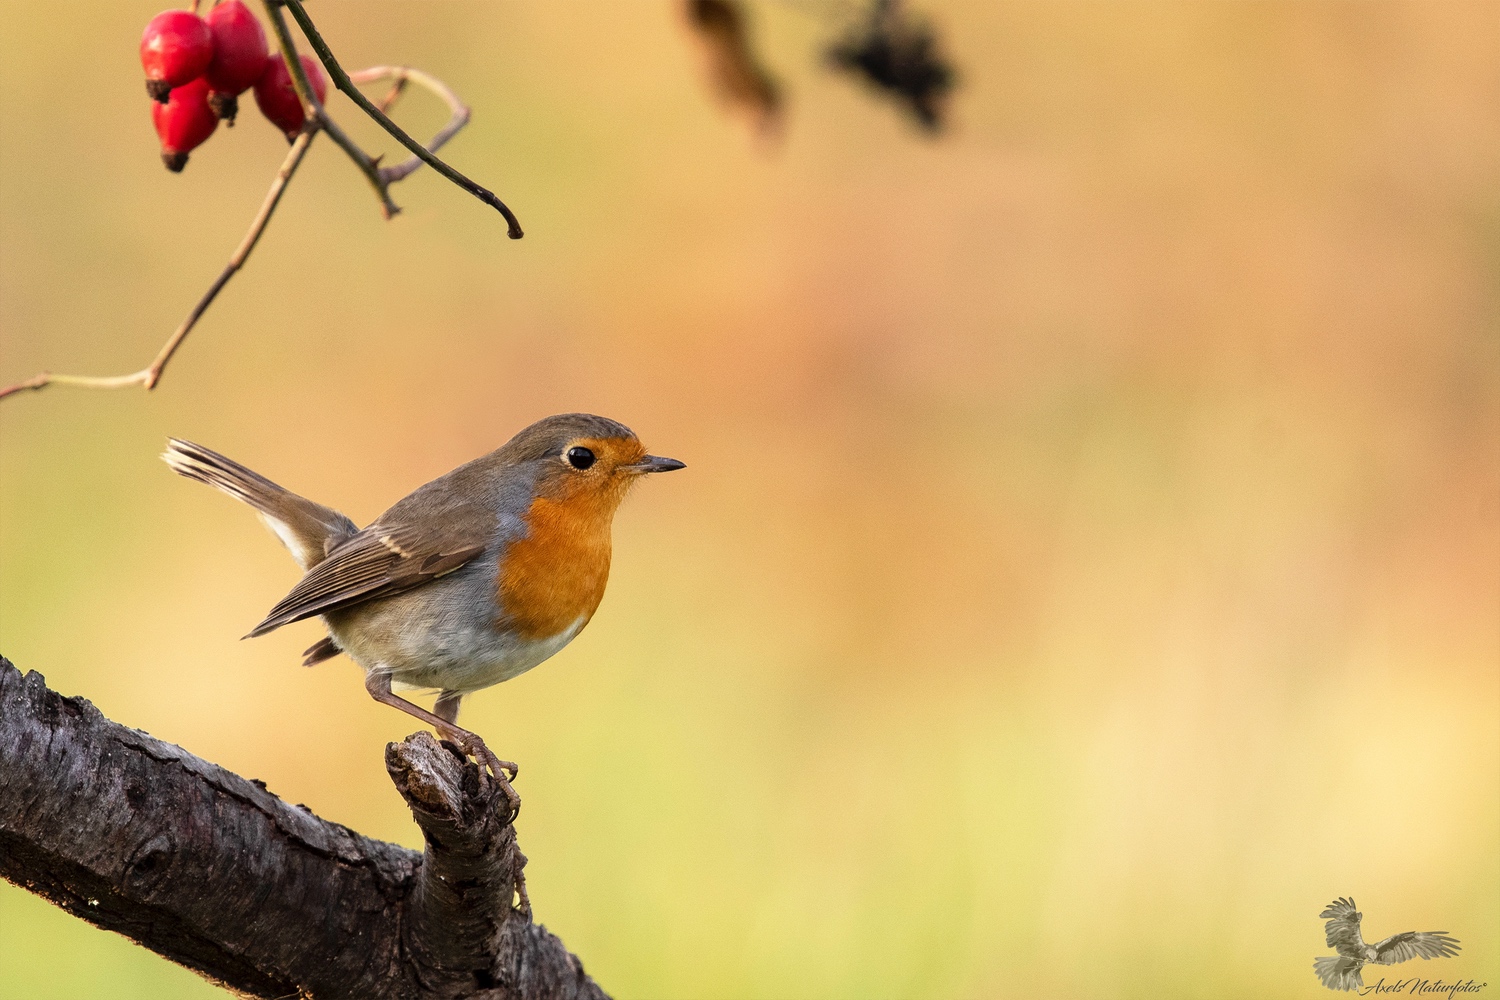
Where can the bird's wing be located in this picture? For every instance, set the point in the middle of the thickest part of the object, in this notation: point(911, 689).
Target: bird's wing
point(1342, 927)
point(1339, 972)
point(385, 559)
point(1415, 944)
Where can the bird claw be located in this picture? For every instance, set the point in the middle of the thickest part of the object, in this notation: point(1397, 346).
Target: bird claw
point(504, 771)
point(512, 800)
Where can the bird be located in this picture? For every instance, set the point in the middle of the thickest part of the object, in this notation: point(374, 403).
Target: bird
point(1341, 972)
point(470, 580)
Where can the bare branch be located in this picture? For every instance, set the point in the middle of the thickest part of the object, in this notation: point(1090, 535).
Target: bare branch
point(313, 110)
point(401, 75)
point(391, 96)
point(317, 120)
point(344, 83)
point(214, 872)
point(148, 377)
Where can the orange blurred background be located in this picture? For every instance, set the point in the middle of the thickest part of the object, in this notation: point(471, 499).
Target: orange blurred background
point(1088, 564)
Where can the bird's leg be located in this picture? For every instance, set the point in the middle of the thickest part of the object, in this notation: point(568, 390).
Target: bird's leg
point(378, 683)
point(379, 686)
point(446, 706)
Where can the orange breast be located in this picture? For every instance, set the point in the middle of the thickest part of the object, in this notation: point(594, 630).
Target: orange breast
point(556, 574)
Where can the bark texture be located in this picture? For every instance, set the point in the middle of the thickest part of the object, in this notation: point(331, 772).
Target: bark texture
point(214, 872)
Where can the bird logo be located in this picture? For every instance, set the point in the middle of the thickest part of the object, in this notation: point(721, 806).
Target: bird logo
point(1341, 971)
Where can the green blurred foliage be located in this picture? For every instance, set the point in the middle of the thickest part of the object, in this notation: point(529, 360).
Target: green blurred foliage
point(1089, 559)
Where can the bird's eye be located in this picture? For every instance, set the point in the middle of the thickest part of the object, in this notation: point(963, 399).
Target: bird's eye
point(580, 458)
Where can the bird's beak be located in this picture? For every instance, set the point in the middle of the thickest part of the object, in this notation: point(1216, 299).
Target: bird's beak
point(653, 463)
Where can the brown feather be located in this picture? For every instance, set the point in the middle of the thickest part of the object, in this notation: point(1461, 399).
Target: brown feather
point(323, 649)
point(381, 561)
point(308, 529)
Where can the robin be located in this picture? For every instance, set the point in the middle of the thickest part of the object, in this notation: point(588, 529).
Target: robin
point(470, 580)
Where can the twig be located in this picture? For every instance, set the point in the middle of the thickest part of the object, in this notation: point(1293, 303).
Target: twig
point(391, 96)
point(148, 377)
point(458, 111)
point(317, 120)
point(342, 81)
point(312, 109)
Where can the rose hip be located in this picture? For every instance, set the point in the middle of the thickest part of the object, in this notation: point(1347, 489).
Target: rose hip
point(175, 48)
point(277, 98)
point(239, 56)
point(183, 123)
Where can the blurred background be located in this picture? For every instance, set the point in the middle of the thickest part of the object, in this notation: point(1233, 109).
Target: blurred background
point(1088, 564)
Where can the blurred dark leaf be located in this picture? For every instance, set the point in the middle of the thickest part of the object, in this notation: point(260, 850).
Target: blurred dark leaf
point(721, 27)
point(897, 52)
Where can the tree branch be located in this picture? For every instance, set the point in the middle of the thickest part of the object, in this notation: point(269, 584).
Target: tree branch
point(344, 83)
point(399, 76)
point(317, 120)
point(312, 110)
point(147, 377)
point(213, 871)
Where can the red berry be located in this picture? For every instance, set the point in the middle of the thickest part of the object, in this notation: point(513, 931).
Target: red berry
point(183, 123)
point(277, 98)
point(176, 48)
point(239, 56)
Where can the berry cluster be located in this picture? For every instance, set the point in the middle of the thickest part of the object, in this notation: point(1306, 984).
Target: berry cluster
point(196, 68)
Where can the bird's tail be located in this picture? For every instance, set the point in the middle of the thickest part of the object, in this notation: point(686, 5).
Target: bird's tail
point(309, 530)
point(1339, 972)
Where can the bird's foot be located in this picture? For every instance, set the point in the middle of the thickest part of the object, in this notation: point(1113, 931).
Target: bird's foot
point(504, 771)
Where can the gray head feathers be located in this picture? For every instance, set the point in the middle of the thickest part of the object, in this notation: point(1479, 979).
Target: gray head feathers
point(548, 436)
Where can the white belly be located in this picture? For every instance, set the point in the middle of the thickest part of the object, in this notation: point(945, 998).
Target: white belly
point(449, 659)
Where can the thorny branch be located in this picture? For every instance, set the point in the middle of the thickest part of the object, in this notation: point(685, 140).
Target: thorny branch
point(344, 83)
point(313, 110)
point(400, 77)
point(317, 120)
